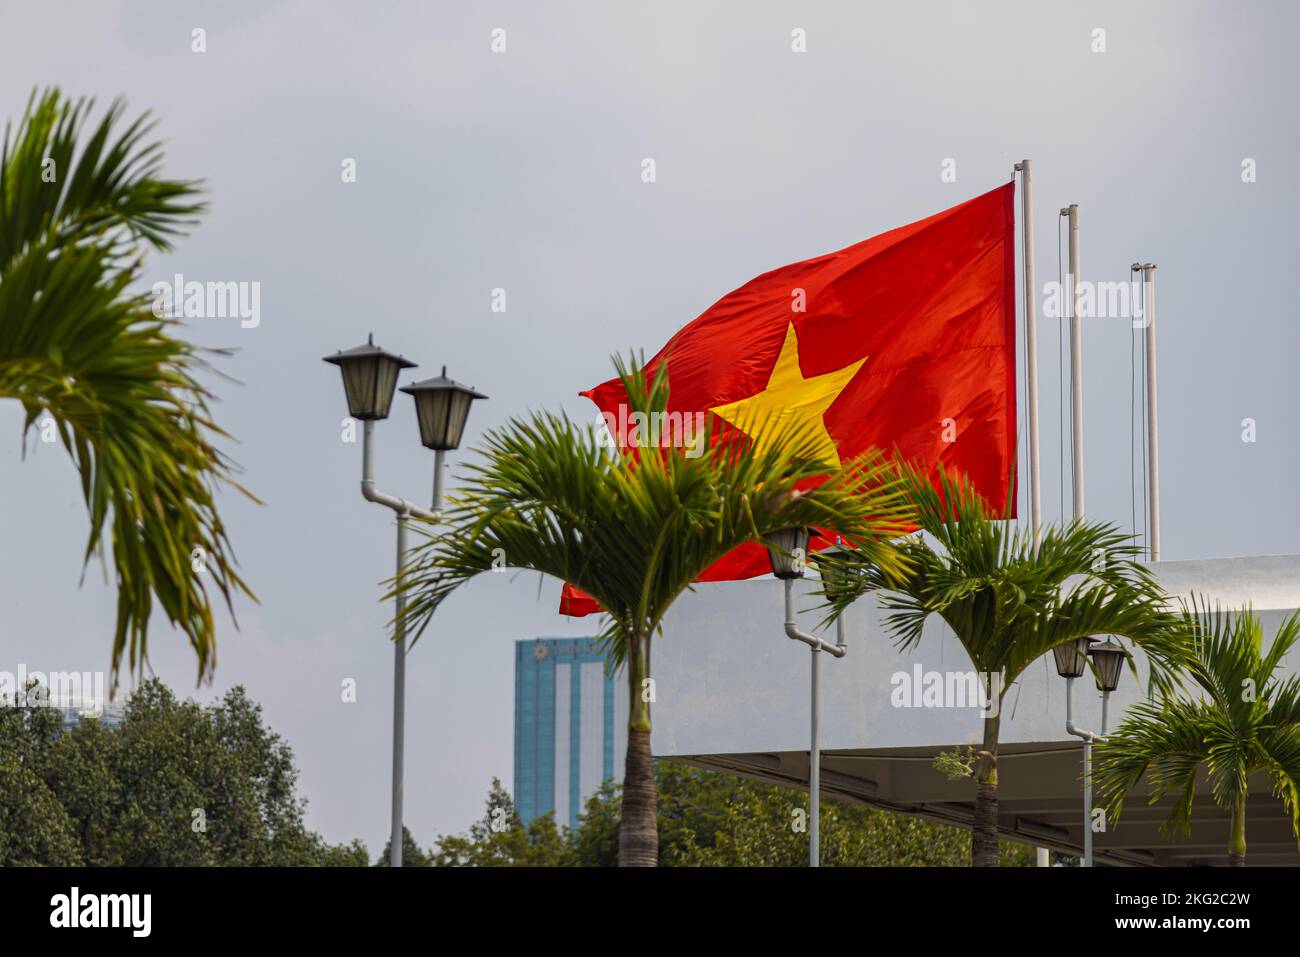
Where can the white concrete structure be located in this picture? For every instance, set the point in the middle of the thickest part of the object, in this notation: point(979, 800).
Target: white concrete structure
point(732, 694)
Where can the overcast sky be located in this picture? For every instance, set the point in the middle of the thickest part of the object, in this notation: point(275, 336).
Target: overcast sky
point(522, 171)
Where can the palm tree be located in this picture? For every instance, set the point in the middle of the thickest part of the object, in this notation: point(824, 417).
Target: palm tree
point(88, 360)
point(634, 531)
point(1007, 601)
point(1244, 721)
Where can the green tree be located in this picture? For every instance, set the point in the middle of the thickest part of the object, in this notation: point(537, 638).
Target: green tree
point(634, 531)
point(595, 842)
point(412, 854)
point(177, 784)
point(34, 827)
point(708, 819)
point(80, 769)
point(1008, 602)
point(204, 785)
point(79, 207)
point(692, 806)
point(353, 854)
point(1243, 720)
point(501, 839)
point(723, 821)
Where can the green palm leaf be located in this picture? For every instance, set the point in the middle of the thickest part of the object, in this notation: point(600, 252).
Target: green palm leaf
point(1236, 720)
point(77, 209)
point(1006, 599)
point(549, 496)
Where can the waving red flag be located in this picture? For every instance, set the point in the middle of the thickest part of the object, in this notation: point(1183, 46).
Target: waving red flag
point(905, 340)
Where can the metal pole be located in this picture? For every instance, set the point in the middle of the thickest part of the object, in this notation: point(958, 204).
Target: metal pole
point(404, 511)
point(1031, 350)
point(1076, 360)
point(837, 650)
point(399, 702)
point(815, 766)
point(1153, 431)
point(1087, 803)
point(438, 467)
point(1153, 445)
point(399, 672)
point(1025, 167)
point(1087, 737)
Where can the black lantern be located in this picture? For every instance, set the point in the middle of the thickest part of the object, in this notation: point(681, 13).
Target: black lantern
point(789, 552)
point(1108, 662)
point(1072, 657)
point(442, 407)
point(369, 377)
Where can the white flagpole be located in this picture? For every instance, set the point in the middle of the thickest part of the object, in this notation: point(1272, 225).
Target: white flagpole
point(1031, 343)
point(1148, 271)
point(1043, 857)
point(1076, 428)
point(1076, 360)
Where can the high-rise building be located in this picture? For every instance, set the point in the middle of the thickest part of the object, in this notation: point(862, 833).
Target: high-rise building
point(74, 712)
point(570, 726)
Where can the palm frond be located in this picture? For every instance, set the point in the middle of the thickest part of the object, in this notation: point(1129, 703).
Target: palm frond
point(635, 528)
point(1008, 600)
point(121, 387)
point(1164, 741)
point(94, 185)
point(1237, 719)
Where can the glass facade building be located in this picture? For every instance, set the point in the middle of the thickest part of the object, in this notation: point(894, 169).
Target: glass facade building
point(568, 734)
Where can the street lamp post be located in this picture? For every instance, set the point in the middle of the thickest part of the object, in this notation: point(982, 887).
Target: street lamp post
point(441, 405)
point(1071, 662)
point(789, 559)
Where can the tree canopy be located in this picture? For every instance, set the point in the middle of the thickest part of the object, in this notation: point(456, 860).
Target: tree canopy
point(177, 784)
point(708, 819)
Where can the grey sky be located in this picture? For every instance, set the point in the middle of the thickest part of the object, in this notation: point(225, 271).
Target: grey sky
point(522, 171)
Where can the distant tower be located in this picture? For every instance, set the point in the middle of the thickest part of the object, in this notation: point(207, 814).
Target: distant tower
point(73, 713)
point(570, 726)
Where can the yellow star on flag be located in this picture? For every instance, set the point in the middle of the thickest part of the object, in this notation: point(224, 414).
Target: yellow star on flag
point(789, 398)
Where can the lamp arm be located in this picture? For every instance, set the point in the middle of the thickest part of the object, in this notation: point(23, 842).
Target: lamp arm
point(371, 494)
point(1070, 726)
point(792, 629)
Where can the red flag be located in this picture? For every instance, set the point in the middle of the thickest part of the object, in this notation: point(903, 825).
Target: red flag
point(905, 340)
